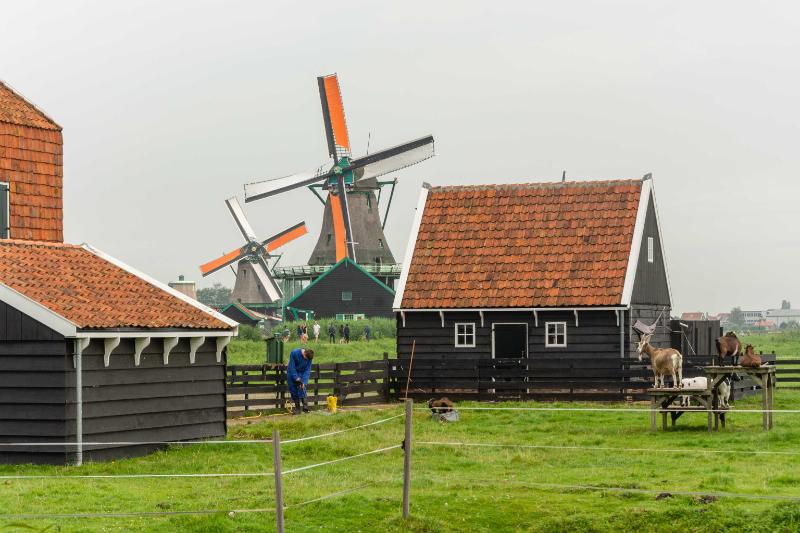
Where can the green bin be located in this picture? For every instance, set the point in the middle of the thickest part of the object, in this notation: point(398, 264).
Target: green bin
point(275, 349)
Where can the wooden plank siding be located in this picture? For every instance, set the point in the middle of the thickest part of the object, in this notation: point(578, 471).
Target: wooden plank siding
point(151, 402)
point(650, 284)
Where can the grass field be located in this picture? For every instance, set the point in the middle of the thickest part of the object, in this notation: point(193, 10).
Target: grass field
point(455, 488)
point(785, 344)
point(242, 352)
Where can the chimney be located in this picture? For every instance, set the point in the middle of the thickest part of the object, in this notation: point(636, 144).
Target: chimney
point(189, 288)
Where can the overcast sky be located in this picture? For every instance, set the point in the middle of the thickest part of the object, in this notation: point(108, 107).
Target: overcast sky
point(168, 108)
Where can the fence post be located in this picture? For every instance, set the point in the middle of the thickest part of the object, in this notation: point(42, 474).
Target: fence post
point(337, 387)
point(386, 391)
point(407, 459)
point(276, 455)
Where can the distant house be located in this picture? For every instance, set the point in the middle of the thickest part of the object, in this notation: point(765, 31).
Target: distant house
point(545, 271)
point(345, 292)
point(695, 315)
point(751, 317)
point(783, 316)
point(249, 317)
point(766, 324)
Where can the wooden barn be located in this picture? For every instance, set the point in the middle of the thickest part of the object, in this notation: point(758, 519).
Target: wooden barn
point(244, 315)
point(94, 355)
point(551, 274)
point(345, 292)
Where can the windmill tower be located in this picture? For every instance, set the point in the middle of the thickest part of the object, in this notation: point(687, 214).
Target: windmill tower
point(351, 228)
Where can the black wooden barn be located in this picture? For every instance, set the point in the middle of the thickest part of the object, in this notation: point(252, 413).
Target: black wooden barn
point(92, 351)
point(345, 292)
point(553, 274)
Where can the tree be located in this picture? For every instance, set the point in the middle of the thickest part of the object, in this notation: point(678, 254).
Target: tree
point(786, 304)
point(215, 296)
point(736, 320)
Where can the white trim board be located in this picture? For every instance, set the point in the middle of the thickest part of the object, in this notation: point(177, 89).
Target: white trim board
point(636, 241)
point(411, 246)
point(162, 286)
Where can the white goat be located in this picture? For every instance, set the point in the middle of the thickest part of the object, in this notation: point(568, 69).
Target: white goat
point(663, 361)
point(724, 390)
point(699, 383)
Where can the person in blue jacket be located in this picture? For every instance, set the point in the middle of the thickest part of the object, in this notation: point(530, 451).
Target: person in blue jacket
point(298, 371)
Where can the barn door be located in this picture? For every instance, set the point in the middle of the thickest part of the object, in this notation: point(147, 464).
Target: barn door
point(509, 341)
point(509, 350)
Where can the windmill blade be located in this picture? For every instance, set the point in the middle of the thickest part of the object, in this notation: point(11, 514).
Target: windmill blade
point(221, 262)
point(392, 159)
point(333, 116)
point(262, 189)
point(261, 268)
point(339, 233)
point(286, 236)
point(241, 221)
point(348, 229)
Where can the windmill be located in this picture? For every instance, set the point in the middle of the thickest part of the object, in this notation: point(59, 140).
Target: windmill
point(253, 257)
point(347, 176)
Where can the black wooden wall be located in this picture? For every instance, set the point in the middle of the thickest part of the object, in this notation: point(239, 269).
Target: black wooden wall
point(32, 396)
point(596, 335)
point(151, 402)
point(325, 297)
point(650, 285)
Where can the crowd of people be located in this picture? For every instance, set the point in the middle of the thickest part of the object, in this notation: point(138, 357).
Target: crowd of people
point(301, 332)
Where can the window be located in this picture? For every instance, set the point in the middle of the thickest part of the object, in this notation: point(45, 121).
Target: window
point(329, 239)
point(556, 334)
point(649, 249)
point(380, 243)
point(5, 214)
point(465, 335)
point(342, 317)
point(347, 296)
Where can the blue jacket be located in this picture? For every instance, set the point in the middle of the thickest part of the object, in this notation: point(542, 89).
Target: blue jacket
point(299, 367)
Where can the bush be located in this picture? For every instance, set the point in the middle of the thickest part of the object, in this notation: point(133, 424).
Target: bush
point(249, 333)
point(382, 328)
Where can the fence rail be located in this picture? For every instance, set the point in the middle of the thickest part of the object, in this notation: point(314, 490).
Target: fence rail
point(263, 387)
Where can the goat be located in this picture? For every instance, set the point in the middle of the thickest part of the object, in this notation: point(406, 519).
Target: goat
point(750, 359)
point(699, 383)
point(728, 344)
point(724, 390)
point(663, 361)
point(443, 405)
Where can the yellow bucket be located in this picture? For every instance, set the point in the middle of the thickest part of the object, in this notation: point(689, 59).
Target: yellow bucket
point(332, 403)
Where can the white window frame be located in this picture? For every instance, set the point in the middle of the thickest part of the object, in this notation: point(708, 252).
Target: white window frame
point(7, 207)
point(547, 342)
point(465, 334)
point(350, 299)
point(650, 249)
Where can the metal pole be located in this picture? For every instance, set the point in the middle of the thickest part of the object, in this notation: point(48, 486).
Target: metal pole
point(79, 401)
point(276, 454)
point(407, 459)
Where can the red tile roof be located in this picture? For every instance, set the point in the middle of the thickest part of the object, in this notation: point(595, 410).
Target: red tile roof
point(15, 109)
point(31, 163)
point(526, 245)
point(92, 292)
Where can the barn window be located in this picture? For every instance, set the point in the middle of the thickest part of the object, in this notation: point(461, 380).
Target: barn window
point(5, 214)
point(465, 335)
point(380, 243)
point(329, 239)
point(556, 334)
point(347, 296)
point(649, 249)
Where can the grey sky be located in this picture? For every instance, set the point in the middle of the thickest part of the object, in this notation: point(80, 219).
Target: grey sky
point(169, 107)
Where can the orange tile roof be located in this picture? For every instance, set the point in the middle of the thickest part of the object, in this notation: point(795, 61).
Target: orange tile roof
point(526, 245)
point(92, 292)
point(31, 163)
point(15, 109)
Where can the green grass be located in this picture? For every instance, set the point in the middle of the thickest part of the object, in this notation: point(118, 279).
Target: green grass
point(459, 489)
point(785, 344)
point(243, 352)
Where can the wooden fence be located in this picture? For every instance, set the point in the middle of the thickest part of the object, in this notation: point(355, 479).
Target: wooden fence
point(263, 387)
point(574, 379)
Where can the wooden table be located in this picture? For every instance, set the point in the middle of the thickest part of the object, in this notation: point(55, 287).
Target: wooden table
point(764, 376)
point(661, 402)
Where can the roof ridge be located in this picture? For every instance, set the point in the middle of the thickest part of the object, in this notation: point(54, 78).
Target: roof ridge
point(539, 185)
point(38, 244)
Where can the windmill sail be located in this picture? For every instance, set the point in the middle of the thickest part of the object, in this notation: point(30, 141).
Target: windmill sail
point(333, 116)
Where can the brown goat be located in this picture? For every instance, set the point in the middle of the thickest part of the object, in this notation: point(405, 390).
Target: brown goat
point(443, 405)
point(728, 344)
point(663, 361)
point(750, 359)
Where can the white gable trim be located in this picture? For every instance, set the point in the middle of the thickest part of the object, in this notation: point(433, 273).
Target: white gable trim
point(162, 286)
point(37, 311)
point(411, 246)
point(636, 242)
